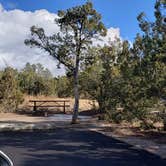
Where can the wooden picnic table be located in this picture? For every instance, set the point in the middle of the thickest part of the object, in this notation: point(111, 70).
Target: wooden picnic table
point(42, 104)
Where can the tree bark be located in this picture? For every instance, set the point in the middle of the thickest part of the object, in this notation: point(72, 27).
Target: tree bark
point(164, 121)
point(78, 41)
point(76, 92)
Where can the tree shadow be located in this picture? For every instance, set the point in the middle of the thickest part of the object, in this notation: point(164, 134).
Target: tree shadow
point(72, 147)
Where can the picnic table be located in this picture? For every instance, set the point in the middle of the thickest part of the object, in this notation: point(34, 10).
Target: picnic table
point(49, 103)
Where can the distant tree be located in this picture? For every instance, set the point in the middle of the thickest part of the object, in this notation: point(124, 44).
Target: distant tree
point(64, 87)
point(78, 26)
point(35, 80)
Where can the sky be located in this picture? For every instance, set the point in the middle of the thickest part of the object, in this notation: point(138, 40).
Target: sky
point(17, 16)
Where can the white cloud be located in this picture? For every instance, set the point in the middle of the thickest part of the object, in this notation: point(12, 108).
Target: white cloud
point(112, 34)
point(15, 28)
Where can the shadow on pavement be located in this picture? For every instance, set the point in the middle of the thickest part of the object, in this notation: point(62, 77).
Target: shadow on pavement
point(72, 147)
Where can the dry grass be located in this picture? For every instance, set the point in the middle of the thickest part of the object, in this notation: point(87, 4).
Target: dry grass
point(84, 103)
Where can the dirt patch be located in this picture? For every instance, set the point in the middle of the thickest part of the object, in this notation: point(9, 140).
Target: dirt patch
point(13, 117)
point(126, 130)
point(158, 137)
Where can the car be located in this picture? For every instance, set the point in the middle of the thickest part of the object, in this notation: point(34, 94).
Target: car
point(5, 160)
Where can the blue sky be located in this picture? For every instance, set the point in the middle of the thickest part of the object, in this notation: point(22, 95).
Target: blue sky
point(116, 13)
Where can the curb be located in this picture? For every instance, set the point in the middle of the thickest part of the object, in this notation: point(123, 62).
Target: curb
point(21, 126)
point(29, 127)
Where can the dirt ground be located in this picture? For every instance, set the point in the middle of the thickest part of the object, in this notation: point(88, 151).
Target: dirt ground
point(126, 130)
point(14, 117)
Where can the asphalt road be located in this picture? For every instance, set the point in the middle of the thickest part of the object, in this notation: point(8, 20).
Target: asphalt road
point(71, 147)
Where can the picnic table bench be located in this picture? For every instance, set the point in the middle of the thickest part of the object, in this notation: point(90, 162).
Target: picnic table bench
point(47, 103)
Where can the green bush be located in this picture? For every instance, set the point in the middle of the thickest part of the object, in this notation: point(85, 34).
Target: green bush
point(10, 95)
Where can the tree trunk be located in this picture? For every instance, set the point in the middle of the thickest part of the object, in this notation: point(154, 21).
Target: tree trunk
point(101, 101)
point(76, 93)
point(164, 121)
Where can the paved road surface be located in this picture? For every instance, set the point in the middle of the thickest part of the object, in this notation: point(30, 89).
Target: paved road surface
point(71, 147)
